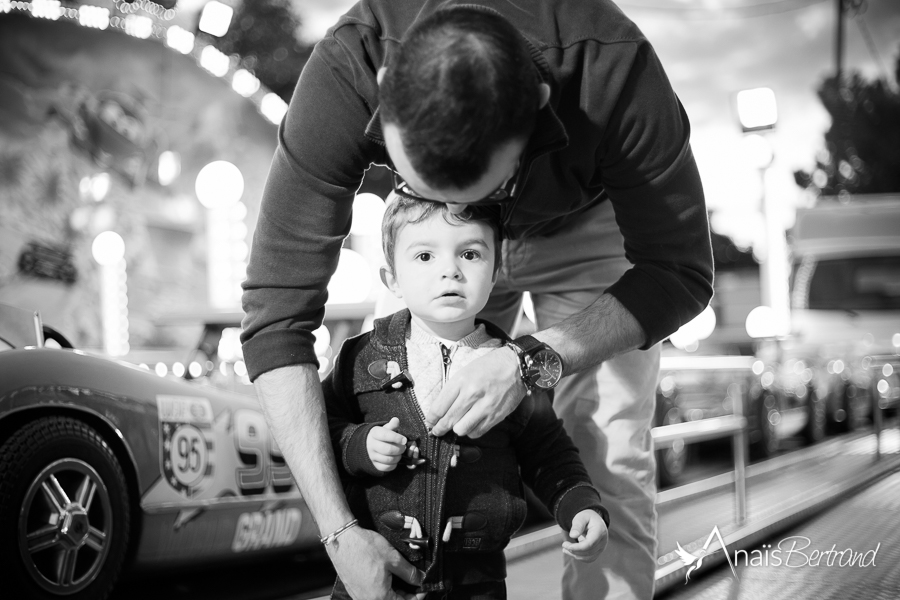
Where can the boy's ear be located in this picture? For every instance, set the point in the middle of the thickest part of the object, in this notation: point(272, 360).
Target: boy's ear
point(389, 281)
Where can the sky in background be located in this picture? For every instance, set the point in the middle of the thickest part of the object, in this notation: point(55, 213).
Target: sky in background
point(711, 49)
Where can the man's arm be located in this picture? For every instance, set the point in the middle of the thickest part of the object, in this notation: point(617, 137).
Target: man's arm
point(291, 398)
point(484, 392)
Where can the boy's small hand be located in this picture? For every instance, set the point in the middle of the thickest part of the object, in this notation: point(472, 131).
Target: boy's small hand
point(590, 531)
point(385, 446)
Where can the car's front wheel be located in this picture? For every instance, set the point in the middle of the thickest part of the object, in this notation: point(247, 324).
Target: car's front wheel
point(64, 511)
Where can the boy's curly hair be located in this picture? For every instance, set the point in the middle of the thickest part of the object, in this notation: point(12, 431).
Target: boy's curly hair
point(402, 211)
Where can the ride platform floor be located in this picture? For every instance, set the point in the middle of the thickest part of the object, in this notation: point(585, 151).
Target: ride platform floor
point(865, 524)
point(781, 493)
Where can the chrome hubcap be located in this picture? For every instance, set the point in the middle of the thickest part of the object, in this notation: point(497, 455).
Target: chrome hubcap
point(65, 526)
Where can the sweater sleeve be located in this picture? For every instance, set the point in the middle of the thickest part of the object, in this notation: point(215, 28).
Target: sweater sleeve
point(551, 467)
point(348, 432)
point(305, 211)
point(649, 173)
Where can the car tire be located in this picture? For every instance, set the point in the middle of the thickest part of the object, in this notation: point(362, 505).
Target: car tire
point(64, 512)
point(765, 444)
point(814, 430)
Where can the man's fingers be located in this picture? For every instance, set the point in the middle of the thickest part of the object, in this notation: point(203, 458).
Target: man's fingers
point(437, 412)
point(405, 571)
point(463, 407)
point(481, 427)
point(472, 424)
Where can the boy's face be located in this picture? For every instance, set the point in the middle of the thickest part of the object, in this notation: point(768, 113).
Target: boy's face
point(444, 272)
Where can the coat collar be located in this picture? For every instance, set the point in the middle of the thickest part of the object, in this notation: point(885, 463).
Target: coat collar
point(389, 332)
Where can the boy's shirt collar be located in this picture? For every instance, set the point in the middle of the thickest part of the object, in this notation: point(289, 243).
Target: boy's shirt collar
point(419, 336)
point(390, 332)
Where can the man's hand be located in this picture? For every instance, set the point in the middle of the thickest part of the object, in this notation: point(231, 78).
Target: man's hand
point(385, 446)
point(479, 396)
point(365, 562)
point(591, 535)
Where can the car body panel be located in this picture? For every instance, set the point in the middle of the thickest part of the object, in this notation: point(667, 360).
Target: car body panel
point(211, 480)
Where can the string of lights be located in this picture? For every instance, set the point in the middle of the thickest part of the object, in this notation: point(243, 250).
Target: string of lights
point(152, 25)
point(742, 11)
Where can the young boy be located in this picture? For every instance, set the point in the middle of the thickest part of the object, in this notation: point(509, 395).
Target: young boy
point(451, 504)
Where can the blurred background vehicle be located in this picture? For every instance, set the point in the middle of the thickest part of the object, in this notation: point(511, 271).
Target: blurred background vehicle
point(845, 313)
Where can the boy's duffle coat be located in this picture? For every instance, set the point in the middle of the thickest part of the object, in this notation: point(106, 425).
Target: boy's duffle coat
point(467, 491)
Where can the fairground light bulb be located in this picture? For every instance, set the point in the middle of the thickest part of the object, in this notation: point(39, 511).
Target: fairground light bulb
point(169, 167)
point(757, 109)
point(108, 248)
point(219, 184)
point(698, 328)
point(760, 322)
point(215, 18)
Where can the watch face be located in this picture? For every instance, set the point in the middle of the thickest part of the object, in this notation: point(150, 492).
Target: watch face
point(549, 365)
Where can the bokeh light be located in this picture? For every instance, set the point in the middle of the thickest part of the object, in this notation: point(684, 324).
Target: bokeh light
point(108, 248)
point(352, 282)
point(368, 211)
point(219, 184)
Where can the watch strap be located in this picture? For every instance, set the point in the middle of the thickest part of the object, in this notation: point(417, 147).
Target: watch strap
point(527, 344)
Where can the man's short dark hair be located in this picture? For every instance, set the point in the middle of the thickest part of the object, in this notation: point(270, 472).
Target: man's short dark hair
point(462, 84)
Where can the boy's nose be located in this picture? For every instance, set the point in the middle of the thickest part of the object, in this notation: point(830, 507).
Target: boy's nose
point(451, 270)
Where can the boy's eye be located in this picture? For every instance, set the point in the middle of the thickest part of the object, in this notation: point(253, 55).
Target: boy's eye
point(424, 256)
point(471, 254)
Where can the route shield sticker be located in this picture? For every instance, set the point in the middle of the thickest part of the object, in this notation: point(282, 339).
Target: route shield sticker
point(186, 443)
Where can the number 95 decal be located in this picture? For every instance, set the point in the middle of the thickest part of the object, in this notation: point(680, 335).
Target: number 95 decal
point(186, 442)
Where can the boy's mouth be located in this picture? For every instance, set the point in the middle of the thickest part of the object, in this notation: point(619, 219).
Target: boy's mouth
point(450, 295)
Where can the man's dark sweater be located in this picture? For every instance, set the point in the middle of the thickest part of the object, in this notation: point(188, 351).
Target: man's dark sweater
point(481, 487)
point(613, 131)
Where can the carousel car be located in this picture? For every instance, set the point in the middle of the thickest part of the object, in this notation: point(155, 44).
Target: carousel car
point(105, 465)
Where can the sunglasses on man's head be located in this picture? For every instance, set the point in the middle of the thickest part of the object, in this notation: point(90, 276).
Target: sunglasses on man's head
point(506, 190)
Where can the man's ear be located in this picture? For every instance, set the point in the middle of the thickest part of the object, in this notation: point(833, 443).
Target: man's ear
point(380, 76)
point(543, 94)
point(390, 282)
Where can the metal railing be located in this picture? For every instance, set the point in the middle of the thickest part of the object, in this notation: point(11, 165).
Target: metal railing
point(734, 426)
point(884, 368)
